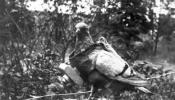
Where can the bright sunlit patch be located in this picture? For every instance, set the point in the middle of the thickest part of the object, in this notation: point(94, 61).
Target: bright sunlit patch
point(83, 6)
point(172, 5)
point(64, 9)
point(39, 5)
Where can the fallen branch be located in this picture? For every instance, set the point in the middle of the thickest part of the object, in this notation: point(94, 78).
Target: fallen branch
point(160, 76)
point(14, 22)
point(37, 97)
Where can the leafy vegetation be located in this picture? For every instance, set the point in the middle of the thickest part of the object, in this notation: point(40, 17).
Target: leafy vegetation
point(34, 43)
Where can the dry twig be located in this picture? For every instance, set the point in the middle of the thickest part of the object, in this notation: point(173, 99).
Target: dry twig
point(37, 97)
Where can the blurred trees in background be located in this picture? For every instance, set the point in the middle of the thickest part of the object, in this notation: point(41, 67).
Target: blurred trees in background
point(33, 43)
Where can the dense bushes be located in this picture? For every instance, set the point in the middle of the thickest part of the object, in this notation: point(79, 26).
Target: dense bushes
point(37, 73)
point(33, 44)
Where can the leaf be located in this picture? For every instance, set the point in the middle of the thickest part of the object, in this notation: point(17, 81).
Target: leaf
point(17, 79)
point(25, 89)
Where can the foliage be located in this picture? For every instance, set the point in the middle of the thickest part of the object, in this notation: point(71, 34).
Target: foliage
point(124, 22)
point(29, 54)
point(161, 83)
point(33, 44)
